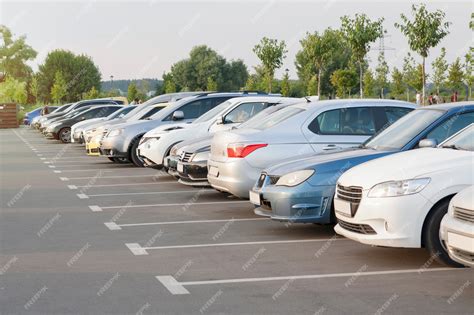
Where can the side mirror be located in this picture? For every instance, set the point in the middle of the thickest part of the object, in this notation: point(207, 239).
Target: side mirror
point(178, 115)
point(428, 143)
point(220, 120)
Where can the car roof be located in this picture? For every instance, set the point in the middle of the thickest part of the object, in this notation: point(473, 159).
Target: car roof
point(329, 104)
point(451, 106)
point(264, 98)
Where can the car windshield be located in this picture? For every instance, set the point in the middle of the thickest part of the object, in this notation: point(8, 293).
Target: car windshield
point(121, 112)
point(75, 112)
point(275, 118)
point(403, 130)
point(464, 140)
point(213, 112)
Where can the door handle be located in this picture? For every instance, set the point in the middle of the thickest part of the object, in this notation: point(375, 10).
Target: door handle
point(331, 147)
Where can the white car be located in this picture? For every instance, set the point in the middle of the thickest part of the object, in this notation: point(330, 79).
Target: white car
point(457, 227)
point(156, 144)
point(399, 200)
point(238, 156)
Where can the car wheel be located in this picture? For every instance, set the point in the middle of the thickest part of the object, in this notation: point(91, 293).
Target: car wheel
point(138, 161)
point(65, 135)
point(432, 240)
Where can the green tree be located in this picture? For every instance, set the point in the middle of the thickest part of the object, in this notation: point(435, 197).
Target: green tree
point(397, 85)
point(320, 49)
point(285, 84)
point(455, 75)
point(343, 80)
point(468, 75)
point(14, 53)
point(312, 88)
point(91, 94)
point(34, 88)
point(59, 89)
point(251, 84)
point(369, 83)
point(170, 87)
point(440, 66)
point(271, 53)
point(360, 32)
point(132, 91)
point(412, 75)
point(381, 74)
point(424, 32)
point(211, 84)
point(13, 90)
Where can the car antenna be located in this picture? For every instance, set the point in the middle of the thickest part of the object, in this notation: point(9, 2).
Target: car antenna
point(308, 99)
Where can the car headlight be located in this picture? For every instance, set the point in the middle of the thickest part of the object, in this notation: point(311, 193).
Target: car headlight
point(398, 188)
point(115, 132)
point(294, 178)
point(201, 156)
point(174, 150)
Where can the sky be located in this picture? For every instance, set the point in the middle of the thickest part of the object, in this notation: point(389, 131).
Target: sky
point(142, 39)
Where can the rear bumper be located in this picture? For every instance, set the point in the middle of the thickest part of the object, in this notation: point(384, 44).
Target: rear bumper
point(193, 173)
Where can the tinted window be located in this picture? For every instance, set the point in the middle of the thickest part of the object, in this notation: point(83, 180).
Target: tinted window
point(152, 111)
point(395, 113)
point(344, 121)
point(451, 126)
point(243, 112)
point(462, 141)
point(275, 118)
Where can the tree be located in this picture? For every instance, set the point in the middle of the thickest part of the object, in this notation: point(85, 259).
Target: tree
point(343, 80)
point(320, 49)
point(34, 88)
point(132, 91)
point(13, 90)
point(312, 86)
point(440, 66)
point(211, 85)
point(455, 75)
point(424, 32)
point(412, 75)
point(59, 89)
point(369, 83)
point(170, 87)
point(381, 74)
point(271, 53)
point(14, 55)
point(360, 32)
point(91, 94)
point(468, 75)
point(285, 84)
point(251, 84)
point(397, 86)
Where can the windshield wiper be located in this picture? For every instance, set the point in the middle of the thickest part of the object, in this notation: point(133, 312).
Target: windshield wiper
point(452, 146)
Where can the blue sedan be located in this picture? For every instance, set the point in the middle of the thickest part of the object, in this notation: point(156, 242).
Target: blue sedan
point(302, 190)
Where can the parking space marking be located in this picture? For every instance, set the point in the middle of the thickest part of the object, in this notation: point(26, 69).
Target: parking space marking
point(51, 166)
point(146, 249)
point(57, 171)
point(189, 204)
point(72, 187)
point(136, 249)
point(121, 176)
point(95, 208)
point(176, 287)
point(128, 184)
point(82, 196)
point(115, 226)
point(154, 193)
point(64, 179)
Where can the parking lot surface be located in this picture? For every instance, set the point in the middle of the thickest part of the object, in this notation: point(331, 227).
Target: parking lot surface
point(81, 235)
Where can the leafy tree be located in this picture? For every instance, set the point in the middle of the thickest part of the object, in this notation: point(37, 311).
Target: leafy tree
point(271, 53)
point(468, 75)
point(170, 87)
point(397, 86)
point(285, 85)
point(412, 75)
point(312, 87)
point(343, 80)
point(34, 88)
point(59, 88)
point(14, 53)
point(211, 85)
point(381, 74)
point(440, 66)
point(251, 84)
point(132, 91)
point(425, 31)
point(360, 32)
point(455, 75)
point(91, 94)
point(369, 83)
point(13, 90)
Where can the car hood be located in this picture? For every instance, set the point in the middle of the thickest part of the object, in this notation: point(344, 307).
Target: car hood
point(86, 123)
point(139, 126)
point(197, 144)
point(407, 165)
point(163, 129)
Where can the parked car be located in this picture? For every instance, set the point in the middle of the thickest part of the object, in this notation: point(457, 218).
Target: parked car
point(123, 140)
point(457, 227)
point(156, 144)
point(60, 109)
point(61, 129)
point(399, 200)
point(33, 119)
point(308, 198)
point(238, 156)
point(77, 130)
point(37, 112)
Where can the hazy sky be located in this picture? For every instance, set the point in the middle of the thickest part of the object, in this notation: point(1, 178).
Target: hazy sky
point(136, 39)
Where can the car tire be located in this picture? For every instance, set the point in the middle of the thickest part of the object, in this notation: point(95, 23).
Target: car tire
point(136, 160)
point(121, 160)
point(431, 237)
point(64, 135)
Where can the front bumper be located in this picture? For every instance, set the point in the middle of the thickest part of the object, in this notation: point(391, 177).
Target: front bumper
point(113, 147)
point(145, 151)
point(300, 204)
point(193, 173)
point(51, 135)
point(234, 176)
point(395, 221)
point(459, 238)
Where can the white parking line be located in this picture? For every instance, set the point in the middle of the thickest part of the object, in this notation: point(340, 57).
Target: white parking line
point(82, 196)
point(189, 204)
point(154, 193)
point(175, 287)
point(121, 176)
point(114, 226)
point(127, 184)
point(72, 186)
point(144, 250)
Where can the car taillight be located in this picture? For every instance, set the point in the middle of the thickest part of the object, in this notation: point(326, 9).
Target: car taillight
point(241, 150)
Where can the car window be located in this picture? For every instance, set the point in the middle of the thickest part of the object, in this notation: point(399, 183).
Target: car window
point(213, 112)
point(243, 112)
point(451, 126)
point(395, 113)
point(275, 118)
point(152, 111)
point(344, 121)
point(462, 141)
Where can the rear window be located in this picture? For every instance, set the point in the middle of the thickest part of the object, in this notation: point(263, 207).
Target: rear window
point(344, 121)
point(275, 118)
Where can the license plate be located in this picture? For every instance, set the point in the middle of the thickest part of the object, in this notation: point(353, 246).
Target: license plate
point(254, 197)
point(213, 171)
point(343, 207)
point(461, 242)
point(180, 167)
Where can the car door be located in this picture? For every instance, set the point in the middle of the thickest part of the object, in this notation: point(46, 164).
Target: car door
point(340, 128)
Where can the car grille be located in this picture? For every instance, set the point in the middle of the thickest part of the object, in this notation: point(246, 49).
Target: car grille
point(273, 179)
point(353, 194)
point(185, 157)
point(463, 255)
point(357, 228)
point(463, 214)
